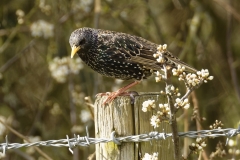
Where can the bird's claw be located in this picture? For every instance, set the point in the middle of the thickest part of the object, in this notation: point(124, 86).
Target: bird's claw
point(113, 95)
point(103, 94)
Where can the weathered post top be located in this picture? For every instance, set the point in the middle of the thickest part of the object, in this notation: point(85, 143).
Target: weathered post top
point(128, 119)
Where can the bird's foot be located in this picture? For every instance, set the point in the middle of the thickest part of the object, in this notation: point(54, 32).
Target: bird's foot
point(121, 91)
point(113, 95)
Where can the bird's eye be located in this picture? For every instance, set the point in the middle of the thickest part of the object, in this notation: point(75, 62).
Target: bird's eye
point(82, 41)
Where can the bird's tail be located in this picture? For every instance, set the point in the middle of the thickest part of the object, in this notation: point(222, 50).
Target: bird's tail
point(174, 62)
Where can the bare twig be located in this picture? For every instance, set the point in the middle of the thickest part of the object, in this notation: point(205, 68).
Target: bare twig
point(186, 140)
point(155, 22)
point(15, 31)
point(73, 112)
point(196, 109)
point(229, 53)
point(26, 139)
point(173, 121)
point(97, 11)
point(198, 118)
point(89, 103)
point(229, 9)
point(177, 4)
point(16, 57)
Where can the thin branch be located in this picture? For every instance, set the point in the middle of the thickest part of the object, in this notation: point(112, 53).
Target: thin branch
point(16, 57)
point(97, 11)
point(198, 118)
point(90, 106)
point(73, 112)
point(155, 22)
point(229, 54)
point(172, 121)
point(15, 31)
point(229, 9)
point(186, 129)
point(26, 139)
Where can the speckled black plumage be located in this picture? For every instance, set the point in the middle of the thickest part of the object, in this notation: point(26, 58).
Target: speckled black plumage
point(119, 55)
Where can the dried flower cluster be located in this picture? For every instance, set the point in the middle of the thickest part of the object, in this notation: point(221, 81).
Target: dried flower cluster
point(220, 152)
point(148, 156)
point(191, 79)
point(177, 72)
point(161, 115)
point(20, 15)
point(148, 105)
point(84, 5)
point(42, 28)
point(234, 147)
point(158, 55)
point(198, 146)
point(78, 96)
point(182, 103)
point(45, 8)
point(216, 125)
point(172, 91)
point(85, 116)
point(159, 76)
point(61, 67)
point(235, 152)
point(56, 109)
point(160, 59)
point(164, 110)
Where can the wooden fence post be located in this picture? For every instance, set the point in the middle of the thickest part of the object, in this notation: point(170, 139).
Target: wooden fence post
point(126, 120)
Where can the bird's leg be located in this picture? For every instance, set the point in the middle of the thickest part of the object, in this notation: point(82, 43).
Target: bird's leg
point(121, 91)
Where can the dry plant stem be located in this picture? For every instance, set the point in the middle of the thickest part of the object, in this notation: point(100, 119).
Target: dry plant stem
point(172, 121)
point(173, 124)
point(155, 22)
point(230, 56)
point(92, 156)
point(196, 108)
point(177, 4)
point(97, 11)
point(16, 57)
point(90, 106)
point(186, 140)
point(229, 9)
point(15, 31)
point(73, 112)
point(26, 139)
point(198, 119)
point(200, 155)
point(187, 94)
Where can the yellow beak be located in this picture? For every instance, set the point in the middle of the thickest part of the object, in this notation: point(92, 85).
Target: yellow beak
point(74, 50)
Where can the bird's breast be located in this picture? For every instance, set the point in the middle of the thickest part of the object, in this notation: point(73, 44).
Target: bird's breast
point(120, 69)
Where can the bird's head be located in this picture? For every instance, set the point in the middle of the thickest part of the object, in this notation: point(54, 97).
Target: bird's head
point(80, 40)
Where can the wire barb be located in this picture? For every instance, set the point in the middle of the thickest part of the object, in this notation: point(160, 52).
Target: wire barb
point(232, 133)
point(85, 141)
point(4, 146)
point(69, 144)
point(114, 139)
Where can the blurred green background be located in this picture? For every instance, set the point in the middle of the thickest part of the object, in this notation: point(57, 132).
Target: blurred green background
point(42, 90)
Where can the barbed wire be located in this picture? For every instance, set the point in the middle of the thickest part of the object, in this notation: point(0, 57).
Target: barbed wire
point(86, 140)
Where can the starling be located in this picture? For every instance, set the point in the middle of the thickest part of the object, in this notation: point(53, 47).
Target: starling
point(120, 55)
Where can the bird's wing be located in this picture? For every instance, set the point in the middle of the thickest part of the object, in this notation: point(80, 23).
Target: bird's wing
point(142, 51)
point(134, 49)
point(173, 62)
